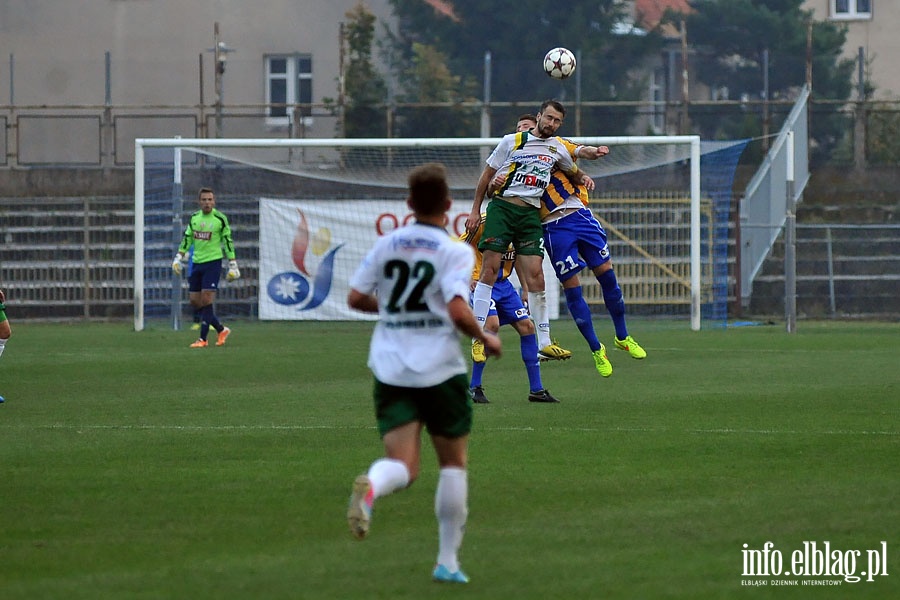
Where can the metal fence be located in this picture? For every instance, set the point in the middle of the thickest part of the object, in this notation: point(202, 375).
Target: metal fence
point(102, 136)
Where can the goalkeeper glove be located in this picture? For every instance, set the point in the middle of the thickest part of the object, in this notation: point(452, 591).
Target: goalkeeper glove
point(233, 271)
point(176, 264)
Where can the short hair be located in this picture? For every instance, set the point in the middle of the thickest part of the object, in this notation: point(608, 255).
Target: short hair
point(527, 116)
point(555, 104)
point(205, 190)
point(428, 189)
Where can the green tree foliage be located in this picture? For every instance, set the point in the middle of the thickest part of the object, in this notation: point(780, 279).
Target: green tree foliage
point(365, 90)
point(518, 34)
point(426, 78)
point(729, 38)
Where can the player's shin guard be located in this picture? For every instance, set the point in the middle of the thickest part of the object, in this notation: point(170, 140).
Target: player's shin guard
point(477, 370)
point(481, 302)
point(581, 312)
point(537, 304)
point(209, 315)
point(612, 297)
point(529, 349)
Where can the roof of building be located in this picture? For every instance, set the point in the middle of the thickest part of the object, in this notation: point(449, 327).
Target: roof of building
point(648, 13)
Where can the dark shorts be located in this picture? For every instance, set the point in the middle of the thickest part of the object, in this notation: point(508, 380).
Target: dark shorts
point(507, 223)
point(445, 408)
point(574, 242)
point(205, 276)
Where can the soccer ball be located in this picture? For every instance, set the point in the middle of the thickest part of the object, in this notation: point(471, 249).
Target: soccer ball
point(559, 63)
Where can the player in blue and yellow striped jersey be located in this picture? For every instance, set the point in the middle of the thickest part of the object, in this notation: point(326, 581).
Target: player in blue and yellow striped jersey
point(506, 308)
point(525, 159)
point(574, 239)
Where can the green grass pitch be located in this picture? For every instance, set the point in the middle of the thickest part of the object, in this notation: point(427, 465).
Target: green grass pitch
point(134, 467)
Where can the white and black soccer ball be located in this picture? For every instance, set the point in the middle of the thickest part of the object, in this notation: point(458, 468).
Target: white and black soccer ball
point(559, 63)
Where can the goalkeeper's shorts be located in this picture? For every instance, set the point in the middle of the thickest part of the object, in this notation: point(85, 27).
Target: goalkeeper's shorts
point(205, 276)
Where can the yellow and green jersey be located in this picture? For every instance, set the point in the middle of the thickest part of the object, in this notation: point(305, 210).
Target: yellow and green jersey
point(210, 235)
point(507, 259)
point(526, 162)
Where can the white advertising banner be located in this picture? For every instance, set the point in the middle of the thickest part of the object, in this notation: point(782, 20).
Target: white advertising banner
point(308, 249)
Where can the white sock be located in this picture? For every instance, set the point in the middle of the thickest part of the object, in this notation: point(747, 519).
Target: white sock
point(2, 346)
point(451, 508)
point(481, 302)
point(387, 476)
point(537, 304)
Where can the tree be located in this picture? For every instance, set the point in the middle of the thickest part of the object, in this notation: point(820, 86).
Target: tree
point(365, 90)
point(428, 80)
point(730, 37)
point(518, 33)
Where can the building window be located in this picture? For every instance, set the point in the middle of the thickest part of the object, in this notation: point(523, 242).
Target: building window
point(288, 82)
point(851, 9)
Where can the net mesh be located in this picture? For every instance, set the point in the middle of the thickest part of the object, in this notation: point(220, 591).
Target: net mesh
point(332, 199)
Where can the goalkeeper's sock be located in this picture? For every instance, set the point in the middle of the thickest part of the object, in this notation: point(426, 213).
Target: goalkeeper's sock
point(581, 312)
point(204, 324)
point(210, 317)
point(387, 475)
point(528, 348)
point(612, 297)
point(481, 302)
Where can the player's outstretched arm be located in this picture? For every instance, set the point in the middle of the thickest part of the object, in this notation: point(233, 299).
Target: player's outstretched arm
point(591, 152)
point(480, 190)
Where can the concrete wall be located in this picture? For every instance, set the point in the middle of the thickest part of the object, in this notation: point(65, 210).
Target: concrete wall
point(155, 48)
point(878, 36)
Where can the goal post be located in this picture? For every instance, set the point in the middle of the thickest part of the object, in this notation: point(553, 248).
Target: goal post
point(649, 196)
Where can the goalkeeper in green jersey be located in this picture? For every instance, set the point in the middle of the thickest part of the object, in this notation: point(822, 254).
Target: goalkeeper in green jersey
point(210, 236)
point(5, 329)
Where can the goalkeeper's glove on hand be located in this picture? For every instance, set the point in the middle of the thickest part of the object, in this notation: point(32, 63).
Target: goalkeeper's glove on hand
point(176, 264)
point(233, 271)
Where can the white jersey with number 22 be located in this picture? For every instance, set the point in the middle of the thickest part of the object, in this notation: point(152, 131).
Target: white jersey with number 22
point(415, 271)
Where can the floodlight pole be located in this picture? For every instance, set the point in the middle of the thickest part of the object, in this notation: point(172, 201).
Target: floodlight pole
point(790, 243)
point(220, 55)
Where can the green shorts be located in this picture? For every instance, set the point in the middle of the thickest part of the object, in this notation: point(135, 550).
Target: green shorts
point(2, 313)
point(507, 223)
point(445, 409)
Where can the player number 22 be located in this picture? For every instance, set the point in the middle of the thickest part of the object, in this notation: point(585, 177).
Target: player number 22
point(421, 274)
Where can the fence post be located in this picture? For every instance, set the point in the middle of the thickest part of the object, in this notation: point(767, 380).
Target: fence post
point(86, 276)
point(106, 151)
point(829, 249)
point(12, 139)
point(790, 243)
point(859, 125)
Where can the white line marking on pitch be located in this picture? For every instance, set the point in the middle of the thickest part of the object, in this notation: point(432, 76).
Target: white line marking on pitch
point(522, 429)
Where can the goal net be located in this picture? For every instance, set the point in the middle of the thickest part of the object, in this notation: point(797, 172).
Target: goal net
point(304, 212)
